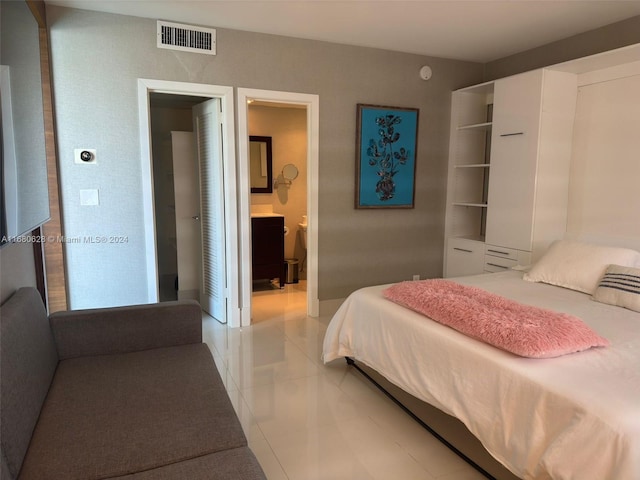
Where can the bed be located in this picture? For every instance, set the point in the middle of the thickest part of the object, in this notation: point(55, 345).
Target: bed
point(576, 416)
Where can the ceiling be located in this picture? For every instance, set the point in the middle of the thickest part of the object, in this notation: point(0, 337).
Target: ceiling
point(473, 30)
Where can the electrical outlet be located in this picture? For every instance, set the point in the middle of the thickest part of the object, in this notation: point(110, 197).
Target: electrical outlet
point(416, 277)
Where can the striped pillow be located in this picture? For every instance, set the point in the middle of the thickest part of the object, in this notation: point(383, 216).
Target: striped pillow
point(620, 286)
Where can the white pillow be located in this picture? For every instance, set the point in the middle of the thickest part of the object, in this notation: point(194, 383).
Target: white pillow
point(620, 286)
point(578, 266)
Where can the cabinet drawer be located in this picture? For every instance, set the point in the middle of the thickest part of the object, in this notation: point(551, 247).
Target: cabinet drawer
point(464, 257)
point(501, 252)
point(498, 264)
point(465, 245)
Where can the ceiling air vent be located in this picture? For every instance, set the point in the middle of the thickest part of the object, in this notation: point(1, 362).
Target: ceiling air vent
point(188, 38)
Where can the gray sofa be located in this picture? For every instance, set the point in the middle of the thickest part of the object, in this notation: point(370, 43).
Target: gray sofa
point(129, 392)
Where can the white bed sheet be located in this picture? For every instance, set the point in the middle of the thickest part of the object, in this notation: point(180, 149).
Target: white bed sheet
point(572, 417)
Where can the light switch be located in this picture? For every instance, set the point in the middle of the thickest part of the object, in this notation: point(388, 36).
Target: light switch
point(89, 197)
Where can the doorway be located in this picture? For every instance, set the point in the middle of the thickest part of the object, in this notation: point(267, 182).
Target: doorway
point(176, 188)
point(219, 118)
point(310, 104)
point(278, 196)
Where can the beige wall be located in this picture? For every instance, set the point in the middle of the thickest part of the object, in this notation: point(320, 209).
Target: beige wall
point(97, 59)
point(616, 35)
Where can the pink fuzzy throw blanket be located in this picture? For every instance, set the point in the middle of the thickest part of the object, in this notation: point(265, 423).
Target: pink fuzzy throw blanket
point(521, 329)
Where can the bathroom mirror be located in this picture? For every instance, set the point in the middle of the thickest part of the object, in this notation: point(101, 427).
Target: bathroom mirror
point(260, 164)
point(24, 191)
point(288, 174)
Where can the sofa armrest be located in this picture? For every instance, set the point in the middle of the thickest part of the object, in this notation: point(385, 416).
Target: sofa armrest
point(104, 331)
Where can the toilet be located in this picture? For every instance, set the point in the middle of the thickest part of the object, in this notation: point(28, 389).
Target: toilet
point(303, 230)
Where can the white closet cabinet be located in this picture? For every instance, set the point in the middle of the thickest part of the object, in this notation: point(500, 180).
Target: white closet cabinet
point(468, 180)
point(530, 159)
point(510, 151)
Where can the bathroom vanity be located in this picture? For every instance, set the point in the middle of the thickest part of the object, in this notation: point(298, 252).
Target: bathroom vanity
point(267, 242)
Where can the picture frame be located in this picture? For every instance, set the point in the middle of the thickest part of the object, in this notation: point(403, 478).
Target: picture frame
point(387, 145)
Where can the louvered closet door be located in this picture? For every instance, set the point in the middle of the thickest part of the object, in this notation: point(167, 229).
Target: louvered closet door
point(207, 126)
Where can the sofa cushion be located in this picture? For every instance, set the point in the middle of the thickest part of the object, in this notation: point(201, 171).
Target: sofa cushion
point(103, 331)
point(5, 474)
point(235, 464)
point(28, 358)
point(111, 415)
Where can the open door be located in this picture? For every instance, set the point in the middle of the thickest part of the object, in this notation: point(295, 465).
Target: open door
point(208, 133)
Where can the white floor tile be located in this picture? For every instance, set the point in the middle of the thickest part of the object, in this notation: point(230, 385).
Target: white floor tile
point(247, 420)
point(353, 449)
point(270, 364)
point(221, 365)
point(465, 473)
point(234, 342)
point(299, 404)
point(267, 459)
point(305, 420)
point(308, 334)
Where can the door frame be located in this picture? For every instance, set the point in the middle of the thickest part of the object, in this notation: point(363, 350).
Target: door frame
point(225, 94)
point(312, 102)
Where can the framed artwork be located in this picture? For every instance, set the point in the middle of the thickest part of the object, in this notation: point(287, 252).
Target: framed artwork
point(387, 142)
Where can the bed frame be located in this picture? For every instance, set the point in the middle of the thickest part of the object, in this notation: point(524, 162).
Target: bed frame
point(445, 428)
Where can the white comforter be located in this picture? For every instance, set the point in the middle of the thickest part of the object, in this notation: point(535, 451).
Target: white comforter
point(573, 417)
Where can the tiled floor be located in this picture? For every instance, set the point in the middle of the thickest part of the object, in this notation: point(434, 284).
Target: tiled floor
point(305, 420)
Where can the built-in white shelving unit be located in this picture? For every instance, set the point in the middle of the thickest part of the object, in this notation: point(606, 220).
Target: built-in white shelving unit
point(509, 160)
point(485, 126)
point(469, 166)
point(508, 170)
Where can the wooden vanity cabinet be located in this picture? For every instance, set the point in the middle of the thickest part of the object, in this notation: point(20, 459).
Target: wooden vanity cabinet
point(267, 242)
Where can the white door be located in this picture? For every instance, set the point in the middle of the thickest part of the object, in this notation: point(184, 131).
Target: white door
point(208, 132)
point(187, 203)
